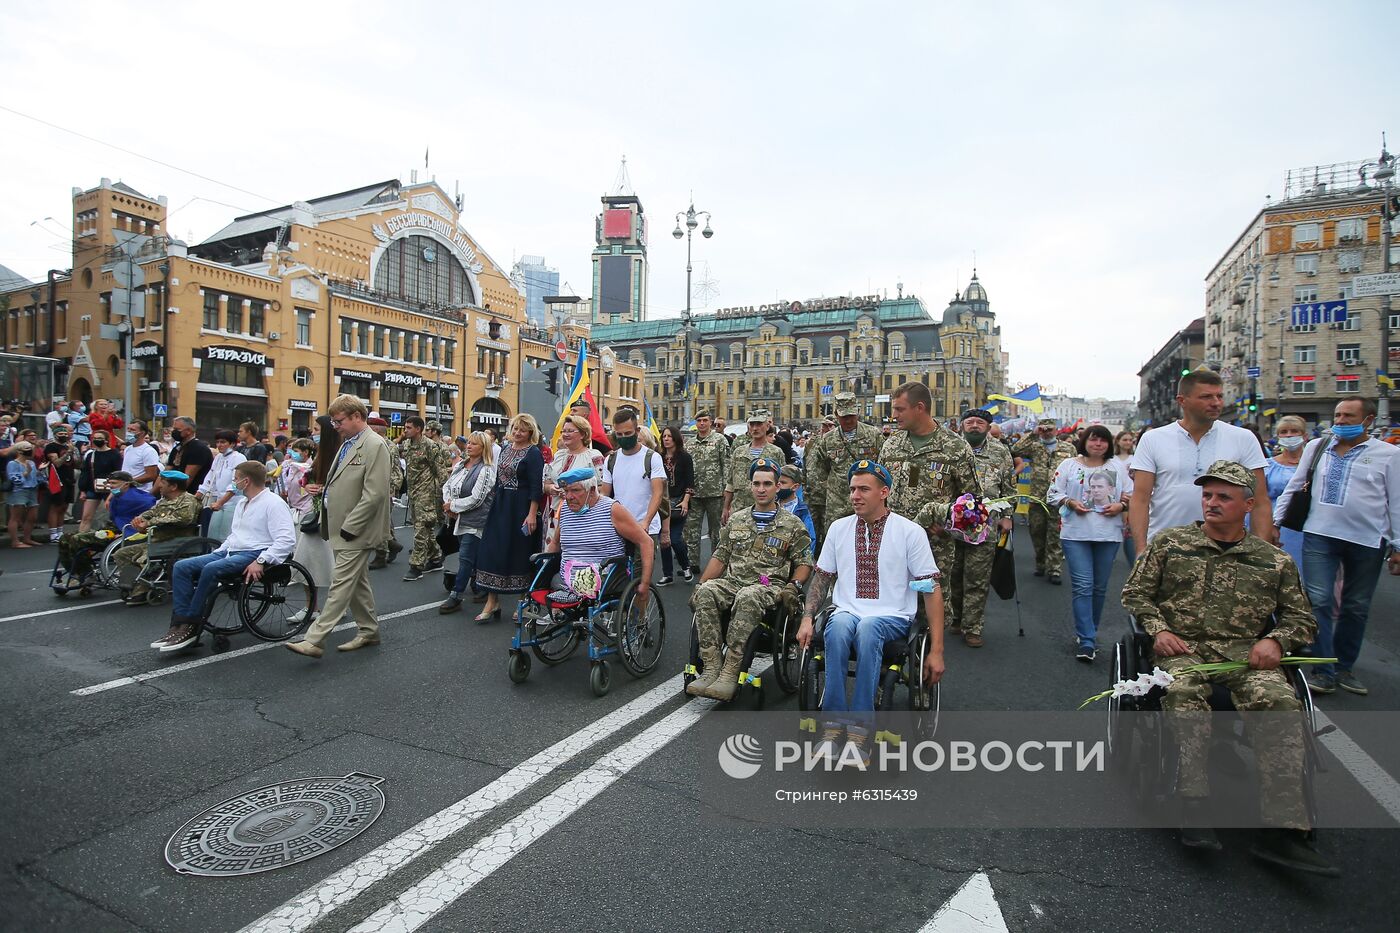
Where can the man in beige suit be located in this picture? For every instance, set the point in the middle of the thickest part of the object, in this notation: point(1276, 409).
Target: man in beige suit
point(354, 510)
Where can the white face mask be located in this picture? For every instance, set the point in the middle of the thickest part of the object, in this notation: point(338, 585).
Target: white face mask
point(1291, 443)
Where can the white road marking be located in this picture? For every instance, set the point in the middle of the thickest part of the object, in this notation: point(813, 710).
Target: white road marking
point(460, 874)
point(973, 909)
point(50, 612)
point(1367, 771)
point(226, 656)
point(316, 902)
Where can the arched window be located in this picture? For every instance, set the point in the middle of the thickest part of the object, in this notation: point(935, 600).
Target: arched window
point(858, 356)
point(419, 268)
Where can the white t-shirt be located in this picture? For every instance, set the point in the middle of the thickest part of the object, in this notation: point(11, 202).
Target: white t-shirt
point(1096, 487)
point(136, 458)
point(903, 555)
point(1177, 461)
point(52, 418)
point(632, 488)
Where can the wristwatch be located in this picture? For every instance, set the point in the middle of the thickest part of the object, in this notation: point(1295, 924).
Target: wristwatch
point(262, 560)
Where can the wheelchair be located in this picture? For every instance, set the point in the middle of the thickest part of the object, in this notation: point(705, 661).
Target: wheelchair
point(160, 558)
point(1141, 749)
point(103, 572)
point(277, 607)
point(776, 636)
point(550, 624)
point(902, 664)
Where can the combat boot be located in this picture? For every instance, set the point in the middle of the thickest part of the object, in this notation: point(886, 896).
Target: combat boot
point(726, 684)
point(709, 670)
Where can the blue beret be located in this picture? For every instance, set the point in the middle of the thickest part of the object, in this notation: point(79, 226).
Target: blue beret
point(576, 475)
point(871, 467)
point(174, 474)
point(764, 463)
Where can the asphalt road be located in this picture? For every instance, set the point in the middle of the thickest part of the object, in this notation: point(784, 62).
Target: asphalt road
point(608, 832)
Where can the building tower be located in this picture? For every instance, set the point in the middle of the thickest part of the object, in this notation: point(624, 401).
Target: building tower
point(620, 256)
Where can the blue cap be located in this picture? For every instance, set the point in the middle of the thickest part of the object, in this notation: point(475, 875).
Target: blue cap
point(174, 474)
point(871, 467)
point(764, 463)
point(576, 475)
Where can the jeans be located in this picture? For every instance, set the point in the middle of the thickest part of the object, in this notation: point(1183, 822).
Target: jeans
point(1090, 563)
point(1130, 550)
point(466, 563)
point(195, 578)
point(677, 544)
point(868, 636)
point(1361, 570)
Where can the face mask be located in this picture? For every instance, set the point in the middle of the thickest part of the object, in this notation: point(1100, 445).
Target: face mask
point(975, 438)
point(130, 438)
point(295, 455)
point(627, 442)
point(1291, 443)
point(1049, 441)
point(315, 438)
point(786, 494)
point(1348, 432)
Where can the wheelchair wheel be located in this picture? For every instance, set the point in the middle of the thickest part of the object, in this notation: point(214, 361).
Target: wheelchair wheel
point(221, 615)
point(687, 678)
point(560, 639)
point(518, 667)
point(1117, 733)
point(811, 681)
point(884, 694)
point(641, 633)
point(106, 564)
point(787, 653)
point(600, 678)
point(280, 604)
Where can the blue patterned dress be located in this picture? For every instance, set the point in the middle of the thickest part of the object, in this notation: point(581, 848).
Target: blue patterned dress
point(504, 562)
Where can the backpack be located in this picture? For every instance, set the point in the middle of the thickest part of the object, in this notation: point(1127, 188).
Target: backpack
point(664, 510)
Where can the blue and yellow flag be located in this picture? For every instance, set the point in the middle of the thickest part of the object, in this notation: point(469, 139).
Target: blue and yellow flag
point(1383, 378)
point(1029, 397)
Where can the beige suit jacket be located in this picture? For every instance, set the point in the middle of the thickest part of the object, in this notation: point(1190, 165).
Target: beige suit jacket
point(356, 500)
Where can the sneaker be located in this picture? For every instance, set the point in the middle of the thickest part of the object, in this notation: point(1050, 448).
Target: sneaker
point(73, 583)
point(1321, 683)
point(1348, 682)
point(829, 748)
point(1086, 655)
point(414, 573)
point(54, 535)
point(181, 636)
point(1291, 848)
point(452, 603)
point(433, 565)
point(664, 581)
point(687, 576)
point(860, 741)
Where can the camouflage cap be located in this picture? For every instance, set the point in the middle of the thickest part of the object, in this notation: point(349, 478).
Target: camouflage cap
point(1047, 423)
point(703, 413)
point(793, 473)
point(846, 404)
point(433, 426)
point(759, 416)
point(1228, 471)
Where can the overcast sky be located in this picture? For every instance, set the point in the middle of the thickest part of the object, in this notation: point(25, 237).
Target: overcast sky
point(1098, 158)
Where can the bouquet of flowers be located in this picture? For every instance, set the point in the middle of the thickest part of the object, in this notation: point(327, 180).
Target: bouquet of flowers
point(1144, 683)
point(970, 518)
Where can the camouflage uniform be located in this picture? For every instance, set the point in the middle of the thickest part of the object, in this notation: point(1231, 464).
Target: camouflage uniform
point(396, 476)
point(428, 464)
point(1248, 584)
point(971, 570)
point(182, 510)
point(1045, 525)
point(828, 460)
point(711, 456)
point(747, 554)
point(737, 472)
point(927, 479)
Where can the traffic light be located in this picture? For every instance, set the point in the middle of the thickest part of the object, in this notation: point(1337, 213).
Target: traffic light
point(1254, 401)
point(1185, 372)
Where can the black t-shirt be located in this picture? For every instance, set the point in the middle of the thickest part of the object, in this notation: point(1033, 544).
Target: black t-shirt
point(192, 453)
point(257, 452)
point(66, 474)
point(96, 465)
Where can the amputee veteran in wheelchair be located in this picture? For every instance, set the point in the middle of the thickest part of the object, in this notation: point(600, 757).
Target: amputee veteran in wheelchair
point(764, 554)
point(1209, 592)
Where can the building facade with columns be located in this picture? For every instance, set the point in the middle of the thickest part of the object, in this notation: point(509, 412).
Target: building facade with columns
point(378, 291)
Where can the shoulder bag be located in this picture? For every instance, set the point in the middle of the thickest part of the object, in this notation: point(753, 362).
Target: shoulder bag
point(1296, 515)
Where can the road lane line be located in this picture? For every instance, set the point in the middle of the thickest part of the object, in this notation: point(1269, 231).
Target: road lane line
point(973, 909)
point(468, 868)
point(50, 612)
point(226, 656)
point(318, 901)
point(1365, 769)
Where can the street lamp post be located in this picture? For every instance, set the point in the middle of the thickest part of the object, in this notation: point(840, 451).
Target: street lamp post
point(1253, 279)
point(430, 329)
point(1384, 176)
point(692, 220)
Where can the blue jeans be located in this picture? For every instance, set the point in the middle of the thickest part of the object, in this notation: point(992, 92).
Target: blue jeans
point(1090, 563)
point(1129, 550)
point(843, 631)
point(676, 545)
point(1361, 570)
point(466, 563)
point(195, 578)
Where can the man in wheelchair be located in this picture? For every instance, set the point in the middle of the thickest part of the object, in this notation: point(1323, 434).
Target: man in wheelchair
point(174, 512)
point(762, 551)
point(1205, 592)
point(874, 564)
point(262, 534)
point(77, 549)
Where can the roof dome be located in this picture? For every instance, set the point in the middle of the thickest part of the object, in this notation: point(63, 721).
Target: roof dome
point(975, 291)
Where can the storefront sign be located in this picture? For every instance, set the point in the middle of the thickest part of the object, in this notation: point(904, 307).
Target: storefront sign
point(235, 355)
point(354, 374)
point(145, 351)
point(390, 377)
point(414, 221)
point(298, 404)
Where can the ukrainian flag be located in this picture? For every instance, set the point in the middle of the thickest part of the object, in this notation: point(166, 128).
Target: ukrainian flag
point(1383, 378)
point(1029, 397)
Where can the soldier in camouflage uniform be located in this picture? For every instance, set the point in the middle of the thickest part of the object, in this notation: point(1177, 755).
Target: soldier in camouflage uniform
point(710, 452)
point(971, 570)
point(426, 464)
point(1045, 453)
point(741, 456)
point(930, 466)
point(160, 522)
point(829, 458)
point(1255, 611)
point(762, 541)
point(390, 547)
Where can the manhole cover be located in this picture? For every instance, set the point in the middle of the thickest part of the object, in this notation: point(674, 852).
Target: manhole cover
point(276, 825)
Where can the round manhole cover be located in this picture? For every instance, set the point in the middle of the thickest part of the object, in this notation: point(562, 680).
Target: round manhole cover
point(276, 825)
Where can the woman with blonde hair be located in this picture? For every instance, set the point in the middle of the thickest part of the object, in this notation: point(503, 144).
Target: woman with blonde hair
point(466, 499)
point(512, 531)
point(1292, 433)
point(575, 450)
